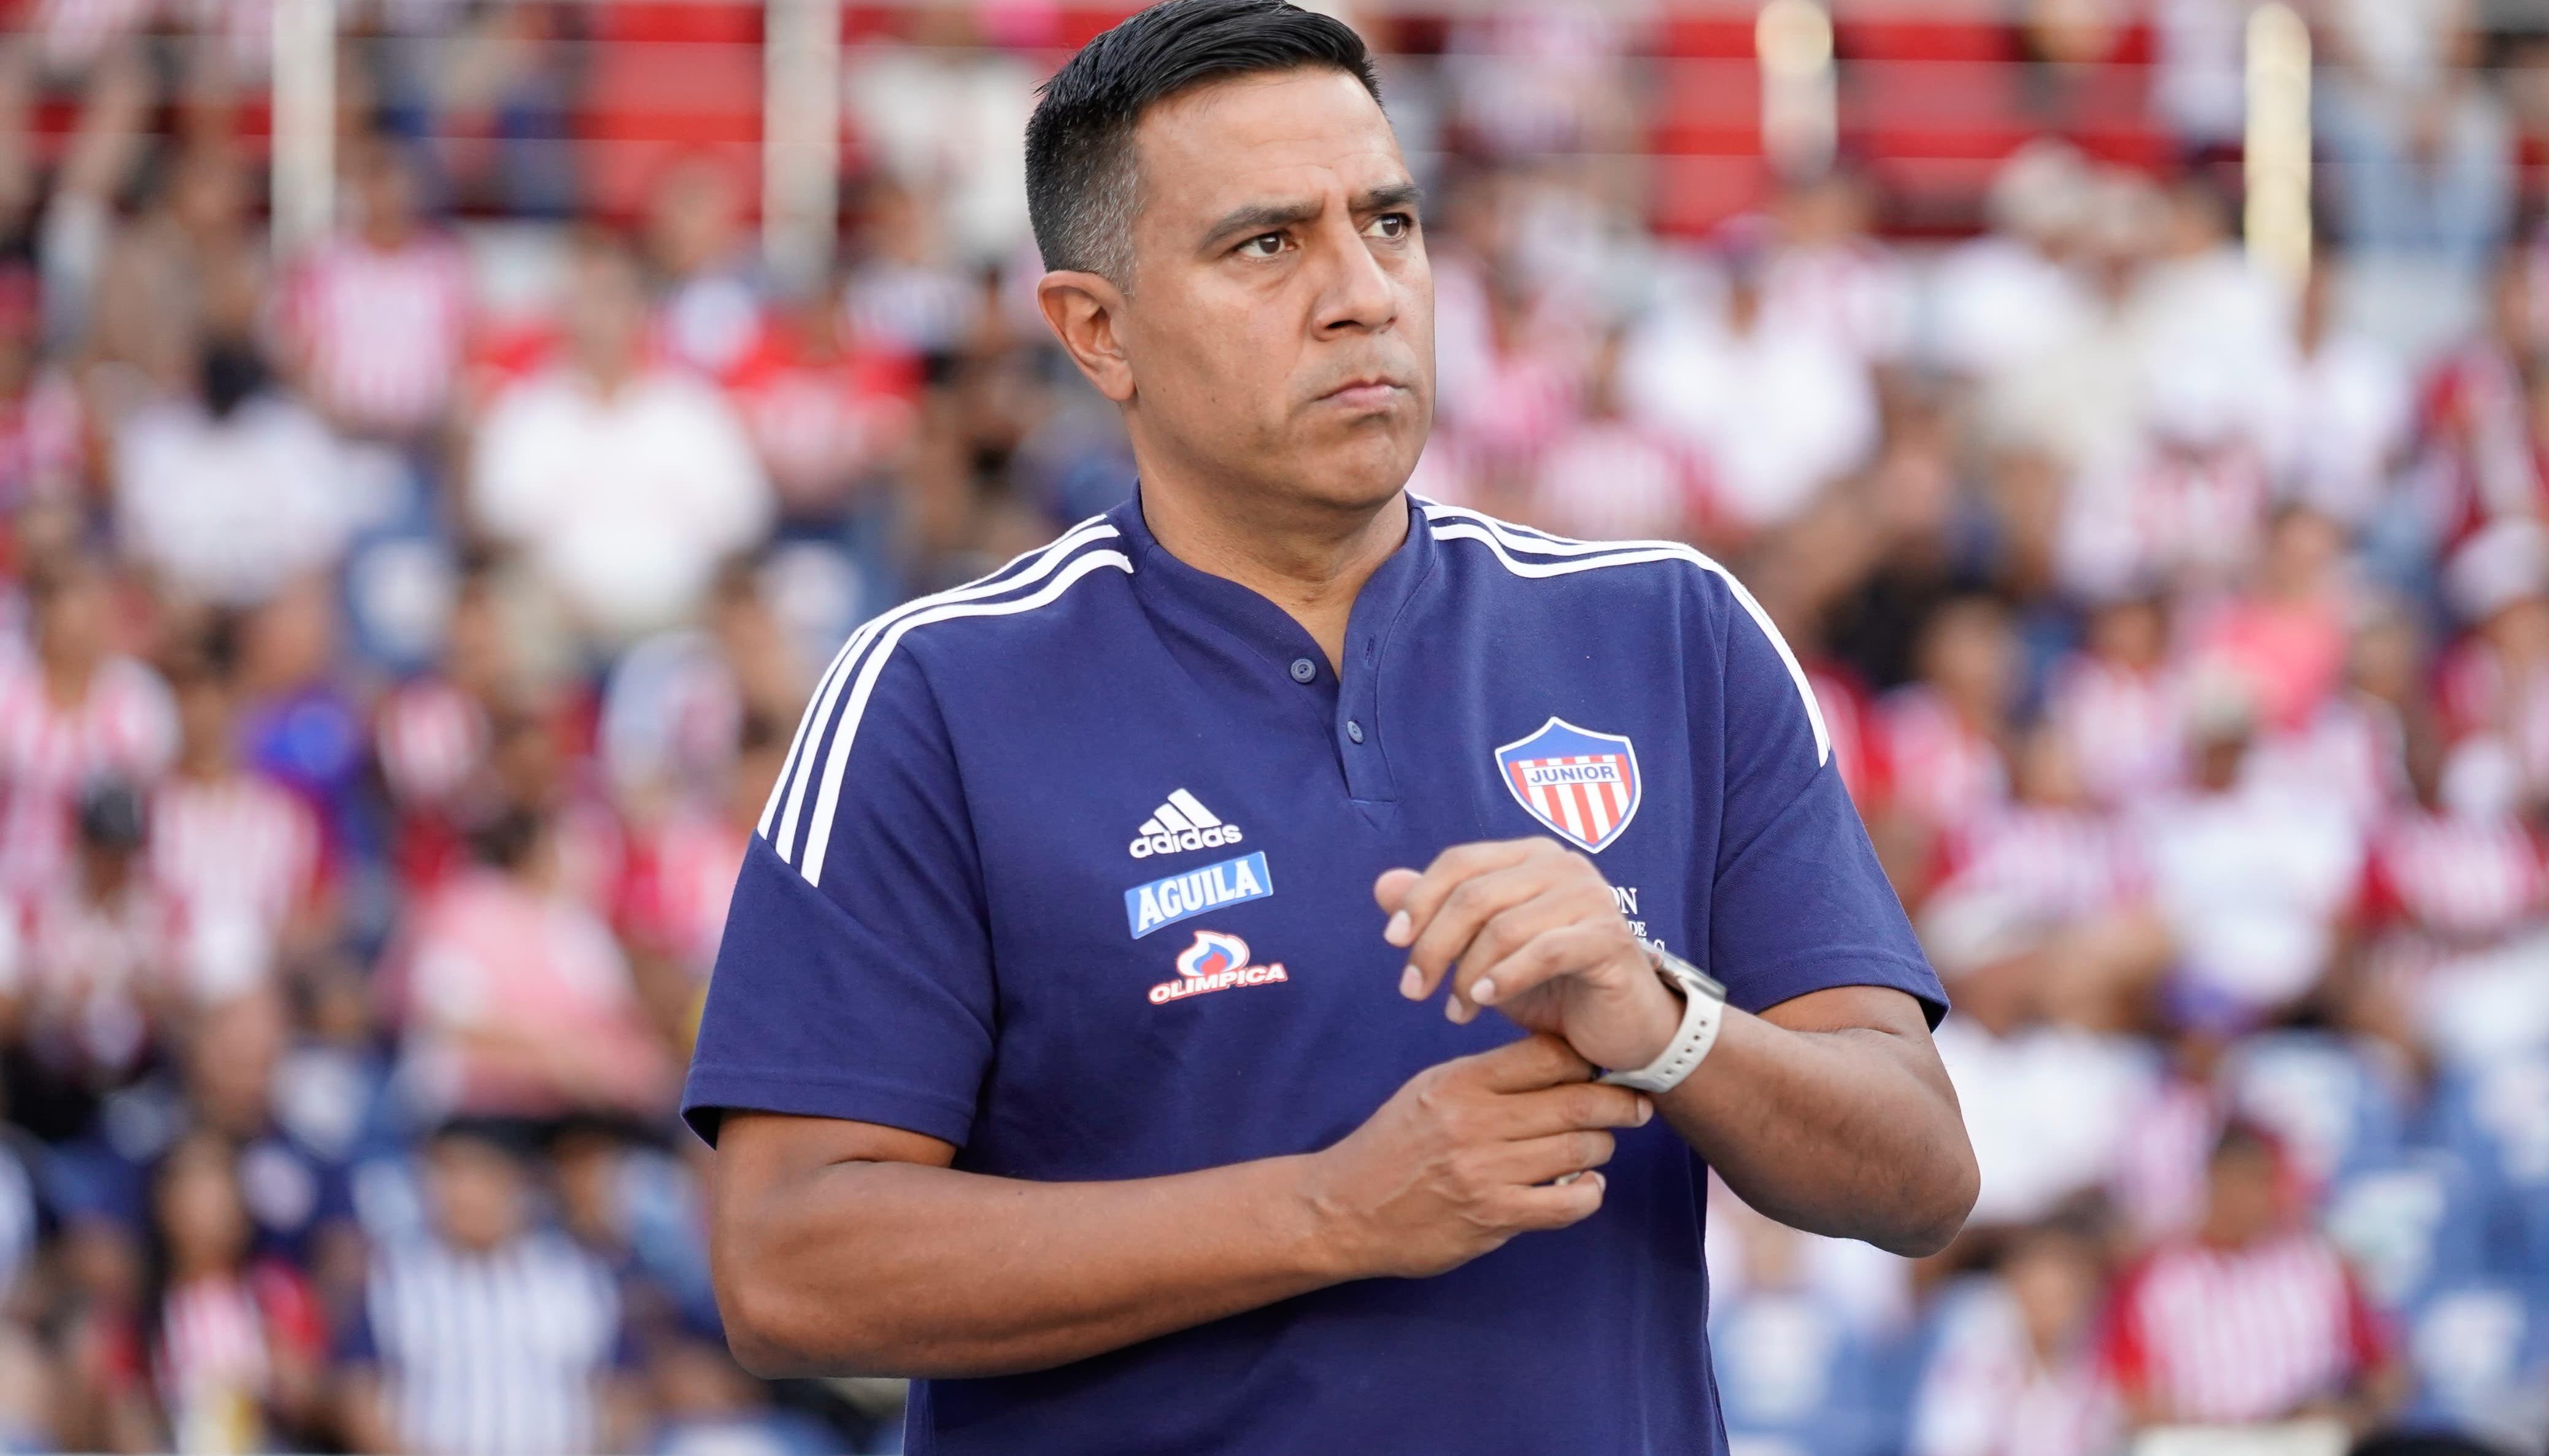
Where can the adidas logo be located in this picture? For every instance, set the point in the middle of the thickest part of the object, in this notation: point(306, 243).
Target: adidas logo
point(1183, 823)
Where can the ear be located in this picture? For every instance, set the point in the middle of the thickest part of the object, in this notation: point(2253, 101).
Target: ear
point(1083, 310)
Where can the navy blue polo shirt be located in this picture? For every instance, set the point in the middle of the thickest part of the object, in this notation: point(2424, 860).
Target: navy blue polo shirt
point(1072, 868)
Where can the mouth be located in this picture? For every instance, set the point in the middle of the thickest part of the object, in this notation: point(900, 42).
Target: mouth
point(1369, 392)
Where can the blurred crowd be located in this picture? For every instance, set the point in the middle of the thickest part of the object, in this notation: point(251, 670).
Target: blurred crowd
point(398, 637)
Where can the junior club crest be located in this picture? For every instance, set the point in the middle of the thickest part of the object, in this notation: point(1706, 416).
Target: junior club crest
point(1582, 785)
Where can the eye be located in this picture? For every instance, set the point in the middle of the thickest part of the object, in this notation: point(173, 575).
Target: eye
point(1263, 245)
point(1392, 226)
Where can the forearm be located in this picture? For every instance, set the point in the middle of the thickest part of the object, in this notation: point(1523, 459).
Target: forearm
point(1835, 1131)
point(896, 1268)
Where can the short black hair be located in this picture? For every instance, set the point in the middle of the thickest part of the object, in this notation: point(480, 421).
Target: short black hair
point(1080, 142)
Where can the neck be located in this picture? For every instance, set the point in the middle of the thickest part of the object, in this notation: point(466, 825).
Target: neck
point(1308, 558)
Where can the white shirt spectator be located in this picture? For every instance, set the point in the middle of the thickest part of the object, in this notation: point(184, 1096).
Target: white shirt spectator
point(1777, 414)
point(231, 510)
point(2215, 336)
point(2250, 882)
point(1998, 302)
point(2351, 411)
point(2049, 1111)
point(625, 503)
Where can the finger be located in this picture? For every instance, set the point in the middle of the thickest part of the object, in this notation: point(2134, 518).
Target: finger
point(1511, 931)
point(1544, 1160)
point(1426, 894)
point(1557, 1205)
point(1525, 1065)
point(1572, 1107)
point(1560, 950)
point(1457, 919)
point(1390, 890)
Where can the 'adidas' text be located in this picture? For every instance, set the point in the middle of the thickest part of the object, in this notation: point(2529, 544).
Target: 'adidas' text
point(1183, 823)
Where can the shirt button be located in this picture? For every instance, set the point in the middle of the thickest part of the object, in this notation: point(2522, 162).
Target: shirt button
point(1303, 669)
point(1353, 730)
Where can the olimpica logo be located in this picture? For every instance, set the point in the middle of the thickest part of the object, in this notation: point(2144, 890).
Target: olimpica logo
point(1183, 823)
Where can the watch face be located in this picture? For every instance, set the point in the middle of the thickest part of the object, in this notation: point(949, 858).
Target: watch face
point(1690, 975)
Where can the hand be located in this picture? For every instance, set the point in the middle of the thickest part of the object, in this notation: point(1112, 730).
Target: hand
point(1463, 1156)
point(1530, 927)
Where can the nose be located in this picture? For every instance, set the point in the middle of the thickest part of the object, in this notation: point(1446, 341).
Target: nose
point(1361, 295)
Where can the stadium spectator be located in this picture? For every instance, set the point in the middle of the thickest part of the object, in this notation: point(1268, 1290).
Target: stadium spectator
point(485, 1334)
point(42, 430)
point(622, 482)
point(2352, 412)
point(2015, 1370)
point(1776, 416)
point(73, 710)
point(222, 1083)
point(2253, 1318)
point(189, 268)
point(1945, 735)
point(228, 844)
point(2425, 152)
point(1796, 1367)
point(708, 1407)
point(1609, 475)
point(2248, 873)
point(231, 1349)
point(388, 276)
point(233, 489)
point(706, 281)
point(832, 411)
point(516, 1000)
point(2007, 297)
point(99, 963)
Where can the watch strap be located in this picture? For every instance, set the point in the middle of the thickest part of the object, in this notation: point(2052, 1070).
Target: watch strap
point(1703, 1012)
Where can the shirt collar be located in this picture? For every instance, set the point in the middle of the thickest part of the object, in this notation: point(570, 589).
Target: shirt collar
point(1168, 584)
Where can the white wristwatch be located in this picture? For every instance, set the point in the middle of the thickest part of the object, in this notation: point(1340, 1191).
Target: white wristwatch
point(1703, 1012)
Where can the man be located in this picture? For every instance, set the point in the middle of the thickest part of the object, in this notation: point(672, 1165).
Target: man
point(2254, 1318)
point(486, 1333)
point(624, 482)
point(1069, 1045)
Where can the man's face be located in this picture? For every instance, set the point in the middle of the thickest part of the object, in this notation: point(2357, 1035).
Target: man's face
point(1278, 332)
point(2241, 1207)
point(605, 314)
point(476, 1191)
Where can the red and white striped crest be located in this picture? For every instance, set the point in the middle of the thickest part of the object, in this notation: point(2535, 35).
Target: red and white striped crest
point(1583, 786)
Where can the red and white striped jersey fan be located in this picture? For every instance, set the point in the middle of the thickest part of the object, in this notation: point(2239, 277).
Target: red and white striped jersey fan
point(2465, 878)
point(2126, 729)
point(1943, 773)
point(381, 331)
point(125, 725)
point(2215, 1336)
point(238, 844)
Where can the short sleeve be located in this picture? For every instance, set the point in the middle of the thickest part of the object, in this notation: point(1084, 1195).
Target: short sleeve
point(1800, 903)
point(854, 979)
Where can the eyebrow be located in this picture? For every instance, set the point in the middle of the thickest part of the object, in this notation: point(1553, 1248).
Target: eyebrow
point(1267, 217)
